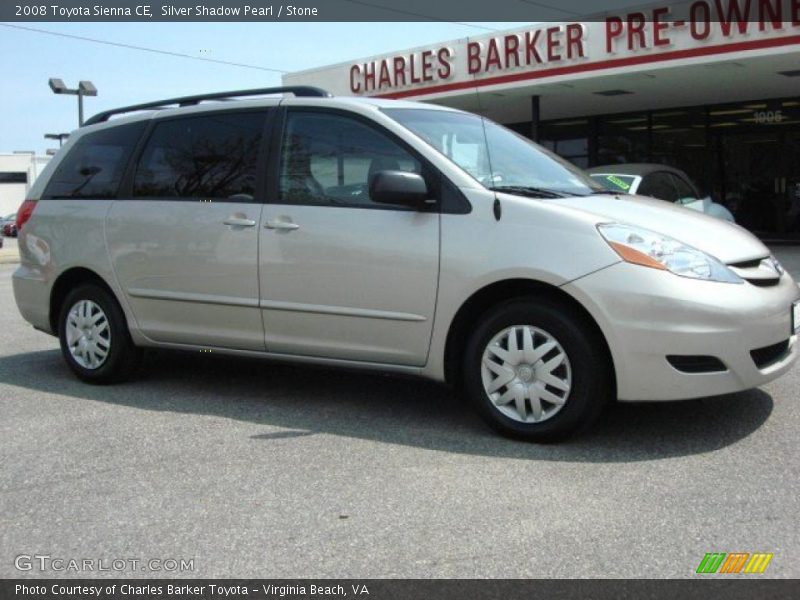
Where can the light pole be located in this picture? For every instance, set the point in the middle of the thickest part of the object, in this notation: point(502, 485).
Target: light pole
point(57, 136)
point(85, 88)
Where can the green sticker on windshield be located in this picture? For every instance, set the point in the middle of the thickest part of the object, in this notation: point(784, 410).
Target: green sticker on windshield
point(618, 182)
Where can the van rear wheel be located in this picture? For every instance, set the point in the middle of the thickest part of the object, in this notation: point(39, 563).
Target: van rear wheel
point(535, 370)
point(94, 336)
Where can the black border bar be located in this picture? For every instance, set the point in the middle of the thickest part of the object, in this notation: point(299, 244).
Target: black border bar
point(701, 588)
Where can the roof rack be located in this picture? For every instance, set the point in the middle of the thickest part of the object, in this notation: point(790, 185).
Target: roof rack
point(297, 90)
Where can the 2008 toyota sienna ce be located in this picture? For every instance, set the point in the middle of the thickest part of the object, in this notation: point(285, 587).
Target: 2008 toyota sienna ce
point(397, 236)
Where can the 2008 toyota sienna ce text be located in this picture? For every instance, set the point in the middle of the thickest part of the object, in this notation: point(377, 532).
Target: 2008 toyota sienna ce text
point(397, 236)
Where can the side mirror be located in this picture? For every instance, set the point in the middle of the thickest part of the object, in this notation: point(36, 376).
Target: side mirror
point(399, 187)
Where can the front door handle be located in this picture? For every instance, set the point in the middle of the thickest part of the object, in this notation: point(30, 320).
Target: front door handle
point(239, 222)
point(282, 225)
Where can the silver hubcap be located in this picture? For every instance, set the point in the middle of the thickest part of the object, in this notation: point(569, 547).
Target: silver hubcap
point(526, 374)
point(88, 334)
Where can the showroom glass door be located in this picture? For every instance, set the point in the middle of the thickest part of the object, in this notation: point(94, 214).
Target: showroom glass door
point(792, 182)
point(758, 176)
point(750, 172)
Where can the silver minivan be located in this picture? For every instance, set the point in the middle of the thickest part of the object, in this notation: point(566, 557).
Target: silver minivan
point(391, 235)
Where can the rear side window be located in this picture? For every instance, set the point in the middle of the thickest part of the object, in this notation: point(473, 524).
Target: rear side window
point(206, 157)
point(94, 166)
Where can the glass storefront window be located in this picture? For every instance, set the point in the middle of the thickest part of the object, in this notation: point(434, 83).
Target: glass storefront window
point(745, 155)
point(756, 145)
point(678, 139)
point(622, 139)
point(569, 139)
point(762, 115)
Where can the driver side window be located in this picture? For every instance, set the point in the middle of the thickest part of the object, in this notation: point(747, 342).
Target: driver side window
point(329, 160)
point(683, 190)
point(658, 185)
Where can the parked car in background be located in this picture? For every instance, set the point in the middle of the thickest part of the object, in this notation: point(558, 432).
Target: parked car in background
point(658, 181)
point(396, 236)
point(10, 229)
point(10, 219)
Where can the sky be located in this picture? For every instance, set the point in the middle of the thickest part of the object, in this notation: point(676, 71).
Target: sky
point(127, 76)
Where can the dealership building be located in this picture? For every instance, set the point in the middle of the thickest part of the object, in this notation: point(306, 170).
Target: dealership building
point(18, 170)
point(709, 86)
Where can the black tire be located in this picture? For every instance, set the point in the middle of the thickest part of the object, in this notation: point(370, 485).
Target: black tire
point(123, 356)
point(589, 365)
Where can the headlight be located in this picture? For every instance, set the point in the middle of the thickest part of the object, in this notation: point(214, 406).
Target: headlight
point(650, 249)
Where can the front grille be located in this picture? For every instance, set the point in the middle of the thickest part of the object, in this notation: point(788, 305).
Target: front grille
point(763, 282)
point(696, 363)
point(747, 264)
point(758, 272)
point(769, 355)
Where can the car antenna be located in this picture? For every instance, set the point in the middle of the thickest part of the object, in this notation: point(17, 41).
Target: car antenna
point(497, 208)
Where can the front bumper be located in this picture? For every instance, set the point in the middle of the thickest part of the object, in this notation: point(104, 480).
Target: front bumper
point(647, 315)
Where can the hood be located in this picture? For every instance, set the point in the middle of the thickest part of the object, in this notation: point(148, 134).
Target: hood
point(725, 241)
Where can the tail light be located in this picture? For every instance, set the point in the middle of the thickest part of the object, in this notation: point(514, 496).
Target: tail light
point(24, 213)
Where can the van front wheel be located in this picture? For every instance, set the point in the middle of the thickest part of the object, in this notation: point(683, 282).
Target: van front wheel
point(94, 336)
point(534, 370)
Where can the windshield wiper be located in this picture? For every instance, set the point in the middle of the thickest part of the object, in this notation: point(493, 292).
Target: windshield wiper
point(533, 192)
point(608, 192)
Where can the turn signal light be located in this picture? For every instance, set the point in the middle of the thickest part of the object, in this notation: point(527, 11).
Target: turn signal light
point(636, 257)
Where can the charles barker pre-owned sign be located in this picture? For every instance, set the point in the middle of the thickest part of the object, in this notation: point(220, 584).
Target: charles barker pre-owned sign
point(690, 30)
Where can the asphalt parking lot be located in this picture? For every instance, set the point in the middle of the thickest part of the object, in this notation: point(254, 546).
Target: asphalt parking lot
point(9, 253)
point(254, 469)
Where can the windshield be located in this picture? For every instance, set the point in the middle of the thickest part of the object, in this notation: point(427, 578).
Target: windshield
point(497, 157)
point(621, 183)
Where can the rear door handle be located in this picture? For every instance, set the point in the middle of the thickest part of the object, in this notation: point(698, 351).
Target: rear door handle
point(239, 222)
point(282, 225)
